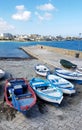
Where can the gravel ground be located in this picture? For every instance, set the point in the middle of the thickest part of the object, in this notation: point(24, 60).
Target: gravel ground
point(43, 116)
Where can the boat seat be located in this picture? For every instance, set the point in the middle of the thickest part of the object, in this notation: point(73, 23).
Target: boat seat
point(24, 95)
point(49, 90)
point(18, 89)
point(42, 88)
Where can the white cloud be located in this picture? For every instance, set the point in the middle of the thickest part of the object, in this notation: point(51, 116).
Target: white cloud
point(21, 14)
point(46, 7)
point(39, 16)
point(4, 26)
point(20, 7)
point(48, 16)
point(44, 11)
point(45, 16)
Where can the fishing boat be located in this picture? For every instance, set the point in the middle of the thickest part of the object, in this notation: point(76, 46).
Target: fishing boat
point(66, 86)
point(68, 74)
point(46, 91)
point(2, 73)
point(42, 70)
point(79, 69)
point(18, 94)
point(67, 64)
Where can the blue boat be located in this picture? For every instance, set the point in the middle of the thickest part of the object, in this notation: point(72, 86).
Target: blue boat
point(46, 91)
point(19, 95)
point(69, 74)
point(66, 86)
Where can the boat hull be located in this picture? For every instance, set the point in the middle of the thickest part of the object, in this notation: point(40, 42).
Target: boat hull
point(42, 70)
point(69, 74)
point(19, 95)
point(67, 64)
point(2, 73)
point(64, 85)
point(46, 91)
point(52, 100)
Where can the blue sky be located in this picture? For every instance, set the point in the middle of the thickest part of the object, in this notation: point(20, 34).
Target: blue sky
point(45, 17)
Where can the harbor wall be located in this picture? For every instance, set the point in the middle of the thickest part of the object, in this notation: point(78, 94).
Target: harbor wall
point(73, 53)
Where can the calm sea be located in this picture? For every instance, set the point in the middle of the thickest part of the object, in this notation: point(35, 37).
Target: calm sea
point(11, 49)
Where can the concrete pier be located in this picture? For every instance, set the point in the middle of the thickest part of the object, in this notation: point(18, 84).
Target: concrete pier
point(52, 56)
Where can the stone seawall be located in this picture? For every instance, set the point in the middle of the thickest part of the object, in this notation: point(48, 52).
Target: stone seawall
point(62, 51)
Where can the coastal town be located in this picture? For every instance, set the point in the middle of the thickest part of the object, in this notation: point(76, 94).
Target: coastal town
point(37, 37)
point(41, 65)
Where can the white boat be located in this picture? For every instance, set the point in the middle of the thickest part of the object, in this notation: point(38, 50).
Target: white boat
point(79, 69)
point(2, 73)
point(46, 91)
point(63, 84)
point(42, 70)
point(68, 74)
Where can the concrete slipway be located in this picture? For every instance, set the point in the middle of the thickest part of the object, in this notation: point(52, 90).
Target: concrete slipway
point(52, 56)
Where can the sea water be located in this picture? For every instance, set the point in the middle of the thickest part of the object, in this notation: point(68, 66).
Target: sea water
point(12, 49)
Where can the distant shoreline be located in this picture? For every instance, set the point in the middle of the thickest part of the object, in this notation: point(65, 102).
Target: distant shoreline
point(36, 41)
